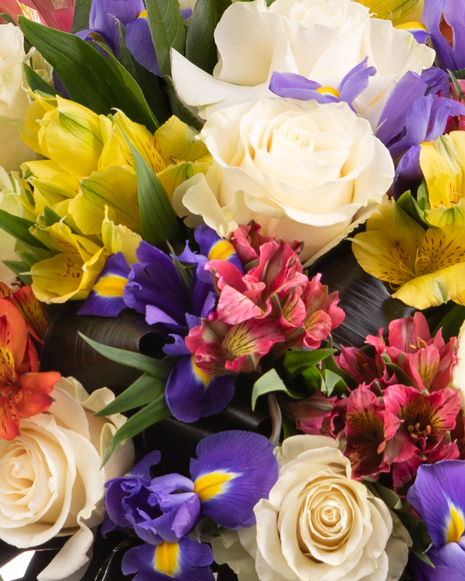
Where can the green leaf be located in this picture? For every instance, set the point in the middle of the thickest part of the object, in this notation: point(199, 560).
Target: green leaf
point(200, 44)
point(153, 367)
point(408, 203)
point(333, 382)
point(81, 15)
point(157, 218)
point(269, 383)
point(144, 418)
point(179, 109)
point(329, 363)
point(391, 499)
point(36, 82)
point(313, 380)
point(297, 361)
point(143, 391)
point(402, 377)
point(167, 29)
point(19, 229)
point(19, 267)
point(460, 74)
point(86, 75)
point(8, 18)
point(50, 216)
point(451, 323)
point(420, 537)
point(129, 81)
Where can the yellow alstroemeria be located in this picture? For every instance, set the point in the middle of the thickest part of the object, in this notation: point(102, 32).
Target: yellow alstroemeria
point(34, 113)
point(426, 266)
point(73, 271)
point(118, 238)
point(116, 188)
point(443, 164)
point(399, 11)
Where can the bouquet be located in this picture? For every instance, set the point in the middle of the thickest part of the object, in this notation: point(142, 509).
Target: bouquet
point(232, 289)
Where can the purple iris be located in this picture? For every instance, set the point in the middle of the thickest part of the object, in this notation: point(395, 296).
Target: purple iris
point(234, 470)
point(410, 118)
point(292, 86)
point(438, 497)
point(104, 19)
point(453, 12)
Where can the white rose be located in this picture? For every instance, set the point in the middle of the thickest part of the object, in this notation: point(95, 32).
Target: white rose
point(319, 39)
point(302, 170)
point(318, 524)
point(51, 483)
point(13, 99)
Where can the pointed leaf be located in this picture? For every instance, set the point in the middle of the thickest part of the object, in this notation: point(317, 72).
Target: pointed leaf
point(143, 391)
point(18, 268)
point(81, 15)
point(86, 75)
point(153, 367)
point(36, 82)
point(200, 44)
point(334, 382)
point(157, 218)
point(19, 228)
point(269, 383)
point(167, 30)
point(297, 361)
point(147, 416)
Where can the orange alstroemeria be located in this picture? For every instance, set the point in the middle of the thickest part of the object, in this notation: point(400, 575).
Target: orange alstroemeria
point(30, 307)
point(24, 391)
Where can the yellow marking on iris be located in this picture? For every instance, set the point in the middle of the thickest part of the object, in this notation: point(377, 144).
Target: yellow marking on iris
point(110, 286)
point(166, 558)
point(211, 484)
point(412, 26)
point(328, 91)
point(456, 526)
point(204, 378)
point(143, 14)
point(221, 251)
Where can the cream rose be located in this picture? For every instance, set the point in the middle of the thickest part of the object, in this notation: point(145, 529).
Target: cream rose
point(50, 478)
point(320, 39)
point(318, 524)
point(13, 99)
point(302, 170)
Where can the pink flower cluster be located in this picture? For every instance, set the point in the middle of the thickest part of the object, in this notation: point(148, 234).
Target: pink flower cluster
point(403, 412)
point(270, 308)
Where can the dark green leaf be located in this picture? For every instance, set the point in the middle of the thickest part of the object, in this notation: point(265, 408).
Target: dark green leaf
point(460, 74)
point(388, 496)
point(421, 539)
point(452, 322)
point(28, 258)
point(154, 367)
point(50, 216)
point(157, 218)
point(333, 383)
point(408, 203)
point(8, 18)
point(313, 380)
point(36, 82)
point(143, 391)
point(19, 267)
point(402, 377)
point(167, 30)
point(87, 76)
point(129, 81)
point(200, 44)
point(147, 416)
point(268, 383)
point(81, 15)
point(19, 229)
point(297, 361)
point(179, 109)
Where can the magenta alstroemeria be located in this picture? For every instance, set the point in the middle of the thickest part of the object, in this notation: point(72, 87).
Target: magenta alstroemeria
point(427, 361)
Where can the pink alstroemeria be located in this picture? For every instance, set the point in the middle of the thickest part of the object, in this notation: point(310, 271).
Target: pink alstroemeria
point(371, 432)
point(57, 14)
point(319, 415)
point(427, 361)
point(359, 365)
point(220, 348)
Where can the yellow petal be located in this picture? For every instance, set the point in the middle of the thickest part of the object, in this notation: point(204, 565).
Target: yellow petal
point(174, 175)
point(177, 140)
point(396, 10)
point(116, 188)
point(120, 239)
point(442, 216)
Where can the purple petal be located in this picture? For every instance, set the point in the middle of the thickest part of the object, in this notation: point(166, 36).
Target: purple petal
point(441, 110)
point(454, 15)
point(292, 86)
point(176, 348)
point(142, 468)
point(355, 81)
point(423, 572)
point(410, 88)
point(408, 172)
point(191, 395)
point(106, 297)
point(233, 472)
point(140, 45)
point(164, 485)
point(187, 516)
point(431, 18)
point(436, 494)
point(437, 81)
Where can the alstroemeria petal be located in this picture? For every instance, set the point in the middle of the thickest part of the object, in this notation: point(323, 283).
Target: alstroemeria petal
point(191, 394)
point(437, 495)
point(233, 472)
point(106, 297)
point(186, 560)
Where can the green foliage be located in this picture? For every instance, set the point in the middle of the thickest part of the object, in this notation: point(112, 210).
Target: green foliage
point(143, 391)
point(167, 30)
point(270, 382)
